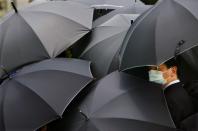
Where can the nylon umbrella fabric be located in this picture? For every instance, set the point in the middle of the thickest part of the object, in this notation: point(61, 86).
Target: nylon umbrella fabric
point(119, 102)
point(135, 9)
point(110, 2)
point(41, 31)
point(39, 93)
point(106, 40)
point(159, 34)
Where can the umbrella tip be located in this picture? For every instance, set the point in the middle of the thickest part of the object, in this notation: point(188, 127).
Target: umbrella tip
point(14, 7)
point(177, 49)
point(83, 114)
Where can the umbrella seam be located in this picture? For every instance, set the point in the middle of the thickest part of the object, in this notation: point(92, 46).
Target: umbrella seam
point(142, 121)
point(56, 113)
point(133, 27)
point(23, 74)
point(35, 11)
point(76, 94)
point(85, 30)
point(70, 2)
point(36, 36)
point(3, 38)
point(113, 99)
point(96, 43)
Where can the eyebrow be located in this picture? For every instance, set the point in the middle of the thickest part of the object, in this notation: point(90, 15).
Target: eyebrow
point(154, 67)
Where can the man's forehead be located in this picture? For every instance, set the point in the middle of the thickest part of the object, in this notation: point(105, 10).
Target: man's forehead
point(162, 66)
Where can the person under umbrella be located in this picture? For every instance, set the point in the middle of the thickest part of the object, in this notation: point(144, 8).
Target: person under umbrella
point(180, 103)
point(167, 29)
point(118, 102)
point(41, 31)
point(39, 93)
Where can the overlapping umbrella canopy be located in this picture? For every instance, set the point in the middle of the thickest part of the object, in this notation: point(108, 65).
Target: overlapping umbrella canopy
point(165, 31)
point(115, 3)
point(135, 9)
point(39, 93)
point(119, 102)
point(105, 43)
point(41, 31)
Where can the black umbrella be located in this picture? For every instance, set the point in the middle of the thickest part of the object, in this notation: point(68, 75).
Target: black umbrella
point(165, 31)
point(120, 102)
point(39, 93)
point(41, 31)
point(106, 40)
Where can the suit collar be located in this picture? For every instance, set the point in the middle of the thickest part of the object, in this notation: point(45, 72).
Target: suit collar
point(171, 83)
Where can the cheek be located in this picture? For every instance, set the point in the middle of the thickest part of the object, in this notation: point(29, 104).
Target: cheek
point(166, 74)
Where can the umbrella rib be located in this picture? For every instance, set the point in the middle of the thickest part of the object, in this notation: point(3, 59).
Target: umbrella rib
point(109, 101)
point(131, 30)
point(86, 28)
point(142, 121)
point(56, 113)
point(155, 48)
point(2, 41)
point(76, 95)
point(36, 36)
point(59, 71)
point(126, 91)
point(95, 44)
point(189, 12)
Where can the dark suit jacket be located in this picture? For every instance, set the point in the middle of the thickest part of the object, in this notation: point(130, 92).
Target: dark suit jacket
point(192, 89)
point(190, 123)
point(179, 102)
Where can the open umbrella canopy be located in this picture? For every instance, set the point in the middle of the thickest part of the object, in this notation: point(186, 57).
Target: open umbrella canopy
point(135, 9)
point(105, 43)
point(41, 31)
point(116, 3)
point(120, 102)
point(165, 31)
point(39, 93)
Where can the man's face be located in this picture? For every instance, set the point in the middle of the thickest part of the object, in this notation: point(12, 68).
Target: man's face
point(165, 71)
point(168, 73)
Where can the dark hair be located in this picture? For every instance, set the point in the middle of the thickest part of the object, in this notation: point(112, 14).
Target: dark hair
point(171, 63)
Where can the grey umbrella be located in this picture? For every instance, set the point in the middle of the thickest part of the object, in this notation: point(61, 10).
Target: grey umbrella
point(115, 3)
point(41, 31)
point(134, 9)
point(119, 102)
point(105, 43)
point(39, 93)
point(165, 31)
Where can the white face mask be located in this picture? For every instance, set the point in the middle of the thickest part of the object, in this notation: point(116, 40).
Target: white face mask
point(157, 77)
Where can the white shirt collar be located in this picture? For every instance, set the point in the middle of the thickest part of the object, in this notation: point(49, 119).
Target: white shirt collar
point(171, 83)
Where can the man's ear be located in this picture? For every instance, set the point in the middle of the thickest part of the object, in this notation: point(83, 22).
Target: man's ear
point(174, 69)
